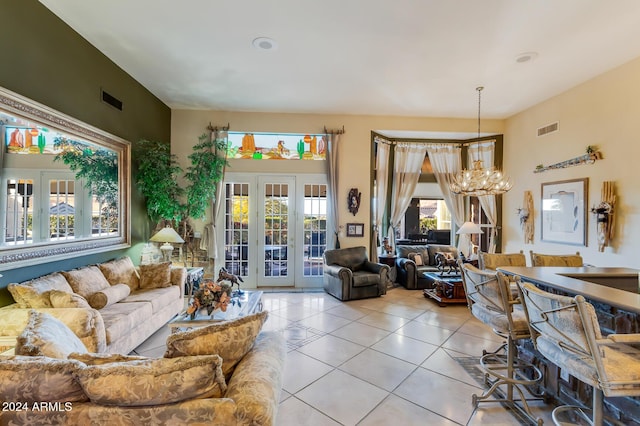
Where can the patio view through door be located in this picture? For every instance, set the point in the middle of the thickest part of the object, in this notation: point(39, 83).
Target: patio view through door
point(275, 229)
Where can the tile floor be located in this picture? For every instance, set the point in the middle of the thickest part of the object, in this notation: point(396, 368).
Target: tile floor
point(382, 361)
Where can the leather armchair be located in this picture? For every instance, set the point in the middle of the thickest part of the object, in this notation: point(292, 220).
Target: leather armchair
point(348, 274)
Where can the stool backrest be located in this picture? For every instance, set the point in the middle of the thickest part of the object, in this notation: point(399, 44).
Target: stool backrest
point(495, 260)
point(538, 259)
point(483, 288)
point(568, 322)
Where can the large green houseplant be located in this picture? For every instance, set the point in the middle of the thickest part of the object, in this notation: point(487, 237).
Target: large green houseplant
point(158, 180)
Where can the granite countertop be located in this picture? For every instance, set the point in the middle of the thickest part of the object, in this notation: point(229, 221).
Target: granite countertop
point(567, 279)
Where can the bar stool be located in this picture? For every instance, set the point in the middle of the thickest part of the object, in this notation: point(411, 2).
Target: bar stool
point(491, 300)
point(565, 330)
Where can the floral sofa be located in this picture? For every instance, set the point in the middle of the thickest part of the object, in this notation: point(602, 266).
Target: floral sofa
point(412, 261)
point(228, 373)
point(112, 307)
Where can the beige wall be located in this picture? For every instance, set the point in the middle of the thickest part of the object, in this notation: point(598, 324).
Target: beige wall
point(355, 145)
point(604, 112)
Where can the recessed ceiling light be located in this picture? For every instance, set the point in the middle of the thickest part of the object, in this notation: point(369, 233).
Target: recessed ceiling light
point(526, 57)
point(264, 43)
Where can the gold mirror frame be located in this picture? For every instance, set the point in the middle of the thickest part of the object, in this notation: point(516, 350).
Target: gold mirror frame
point(16, 257)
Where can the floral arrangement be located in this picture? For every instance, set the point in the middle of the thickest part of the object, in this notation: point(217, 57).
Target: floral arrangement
point(603, 208)
point(523, 214)
point(211, 295)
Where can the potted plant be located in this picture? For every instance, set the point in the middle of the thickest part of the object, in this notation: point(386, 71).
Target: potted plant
point(158, 175)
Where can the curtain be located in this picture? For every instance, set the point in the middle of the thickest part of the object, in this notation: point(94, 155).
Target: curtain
point(332, 173)
point(382, 184)
point(407, 164)
point(484, 151)
point(209, 239)
point(446, 161)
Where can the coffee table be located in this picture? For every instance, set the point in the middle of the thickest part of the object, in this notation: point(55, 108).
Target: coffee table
point(448, 288)
point(250, 303)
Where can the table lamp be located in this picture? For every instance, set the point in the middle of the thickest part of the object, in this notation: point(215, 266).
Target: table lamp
point(167, 236)
point(468, 229)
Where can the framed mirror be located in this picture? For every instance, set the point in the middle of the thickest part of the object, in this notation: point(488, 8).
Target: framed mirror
point(64, 185)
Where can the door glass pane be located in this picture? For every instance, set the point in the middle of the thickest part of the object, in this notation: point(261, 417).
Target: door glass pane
point(19, 225)
point(315, 228)
point(236, 228)
point(276, 229)
point(62, 210)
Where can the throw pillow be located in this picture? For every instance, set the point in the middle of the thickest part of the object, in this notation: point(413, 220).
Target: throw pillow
point(153, 381)
point(155, 275)
point(33, 379)
point(417, 258)
point(121, 271)
point(109, 296)
point(62, 299)
point(86, 281)
point(91, 358)
point(229, 339)
point(45, 335)
point(35, 293)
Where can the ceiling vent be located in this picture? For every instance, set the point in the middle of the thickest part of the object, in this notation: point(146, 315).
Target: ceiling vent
point(549, 128)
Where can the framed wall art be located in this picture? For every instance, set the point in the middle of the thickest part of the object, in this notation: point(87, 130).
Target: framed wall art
point(355, 229)
point(564, 212)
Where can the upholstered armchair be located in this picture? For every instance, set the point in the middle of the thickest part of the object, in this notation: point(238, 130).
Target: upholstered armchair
point(348, 274)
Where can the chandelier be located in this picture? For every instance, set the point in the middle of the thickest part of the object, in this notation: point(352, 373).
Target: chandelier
point(480, 180)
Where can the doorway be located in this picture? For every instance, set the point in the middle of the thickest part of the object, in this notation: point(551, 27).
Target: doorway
point(275, 228)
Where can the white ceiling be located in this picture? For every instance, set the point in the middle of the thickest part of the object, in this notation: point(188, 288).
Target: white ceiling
point(380, 57)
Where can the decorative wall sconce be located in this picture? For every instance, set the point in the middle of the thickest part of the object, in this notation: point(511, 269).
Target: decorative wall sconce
point(525, 214)
point(604, 215)
point(354, 200)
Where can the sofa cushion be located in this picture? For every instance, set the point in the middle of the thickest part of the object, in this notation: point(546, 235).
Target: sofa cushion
point(433, 249)
point(229, 339)
point(109, 296)
point(91, 358)
point(35, 293)
point(32, 379)
point(365, 279)
point(120, 318)
point(120, 271)
point(45, 335)
point(86, 280)
point(62, 299)
point(155, 275)
point(158, 297)
point(405, 251)
point(153, 381)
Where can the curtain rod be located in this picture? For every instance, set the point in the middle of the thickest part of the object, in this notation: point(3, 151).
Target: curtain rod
point(334, 132)
point(216, 128)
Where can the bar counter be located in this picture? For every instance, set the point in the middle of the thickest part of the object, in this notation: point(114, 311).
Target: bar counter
point(617, 287)
point(615, 297)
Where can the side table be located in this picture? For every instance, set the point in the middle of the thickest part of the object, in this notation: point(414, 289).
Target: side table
point(194, 278)
point(390, 260)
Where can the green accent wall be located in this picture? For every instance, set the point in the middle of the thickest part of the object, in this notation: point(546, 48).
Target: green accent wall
point(47, 61)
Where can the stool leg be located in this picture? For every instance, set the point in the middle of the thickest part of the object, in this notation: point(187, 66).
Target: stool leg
point(597, 406)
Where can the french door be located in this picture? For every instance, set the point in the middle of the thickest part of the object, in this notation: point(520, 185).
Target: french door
point(275, 229)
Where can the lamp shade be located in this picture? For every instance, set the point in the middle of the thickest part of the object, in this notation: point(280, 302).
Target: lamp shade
point(167, 235)
point(469, 228)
